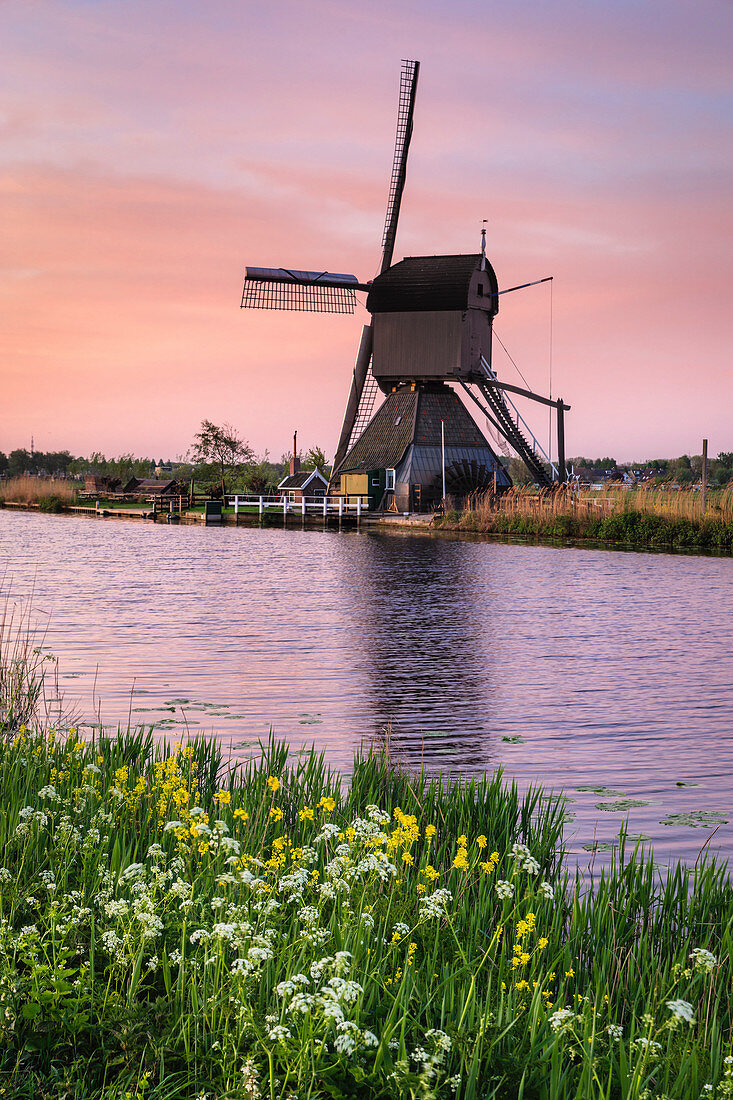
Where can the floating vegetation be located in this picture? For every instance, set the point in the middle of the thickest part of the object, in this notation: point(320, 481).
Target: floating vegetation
point(622, 805)
point(601, 846)
point(605, 792)
point(680, 783)
point(310, 718)
point(515, 739)
point(638, 838)
point(697, 819)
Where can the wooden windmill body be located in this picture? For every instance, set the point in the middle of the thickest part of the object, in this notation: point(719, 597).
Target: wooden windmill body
point(430, 330)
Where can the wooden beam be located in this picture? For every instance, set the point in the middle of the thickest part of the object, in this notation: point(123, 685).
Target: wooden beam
point(561, 473)
point(522, 393)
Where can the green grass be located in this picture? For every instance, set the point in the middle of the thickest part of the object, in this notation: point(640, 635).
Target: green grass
point(172, 927)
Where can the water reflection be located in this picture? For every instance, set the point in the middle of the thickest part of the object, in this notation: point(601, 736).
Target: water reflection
point(429, 654)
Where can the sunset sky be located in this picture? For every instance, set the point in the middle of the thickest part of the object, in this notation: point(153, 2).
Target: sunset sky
point(152, 148)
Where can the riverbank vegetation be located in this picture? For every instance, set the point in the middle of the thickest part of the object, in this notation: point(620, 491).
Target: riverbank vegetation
point(173, 926)
point(648, 518)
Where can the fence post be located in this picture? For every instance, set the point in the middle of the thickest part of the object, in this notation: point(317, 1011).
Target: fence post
point(341, 507)
point(358, 507)
point(261, 506)
point(325, 505)
point(236, 506)
point(285, 506)
point(302, 505)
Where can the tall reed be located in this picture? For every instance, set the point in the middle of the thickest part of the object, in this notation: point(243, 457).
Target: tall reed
point(37, 490)
point(635, 517)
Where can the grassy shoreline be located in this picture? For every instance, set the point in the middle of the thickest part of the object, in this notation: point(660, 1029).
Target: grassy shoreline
point(645, 520)
point(172, 927)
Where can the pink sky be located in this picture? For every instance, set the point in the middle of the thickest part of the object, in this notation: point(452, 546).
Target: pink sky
point(152, 148)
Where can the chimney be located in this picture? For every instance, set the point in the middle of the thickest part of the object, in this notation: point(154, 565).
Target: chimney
point(295, 461)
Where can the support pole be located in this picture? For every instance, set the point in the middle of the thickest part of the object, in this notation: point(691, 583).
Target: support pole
point(361, 368)
point(704, 475)
point(442, 449)
point(561, 472)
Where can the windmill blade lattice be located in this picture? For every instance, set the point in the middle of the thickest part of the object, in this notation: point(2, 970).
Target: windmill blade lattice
point(405, 111)
point(306, 291)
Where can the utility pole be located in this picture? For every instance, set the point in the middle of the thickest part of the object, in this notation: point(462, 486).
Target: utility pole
point(704, 474)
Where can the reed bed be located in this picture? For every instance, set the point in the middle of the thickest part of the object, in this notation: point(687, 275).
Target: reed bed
point(640, 517)
point(174, 928)
point(49, 494)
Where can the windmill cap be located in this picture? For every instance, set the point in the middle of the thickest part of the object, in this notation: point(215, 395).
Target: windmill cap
point(435, 283)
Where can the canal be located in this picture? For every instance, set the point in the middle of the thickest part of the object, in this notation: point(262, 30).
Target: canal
point(605, 674)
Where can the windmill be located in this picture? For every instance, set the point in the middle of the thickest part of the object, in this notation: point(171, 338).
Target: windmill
point(431, 330)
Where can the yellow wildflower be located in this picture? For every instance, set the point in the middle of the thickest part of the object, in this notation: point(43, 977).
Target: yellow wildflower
point(241, 814)
point(542, 943)
point(273, 783)
point(430, 832)
point(481, 841)
point(327, 804)
point(306, 814)
point(222, 796)
point(462, 841)
point(276, 814)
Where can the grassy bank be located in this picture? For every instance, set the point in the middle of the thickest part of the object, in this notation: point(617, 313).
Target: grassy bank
point(49, 495)
point(655, 519)
point(171, 928)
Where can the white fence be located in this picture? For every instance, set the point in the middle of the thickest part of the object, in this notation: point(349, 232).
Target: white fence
point(308, 506)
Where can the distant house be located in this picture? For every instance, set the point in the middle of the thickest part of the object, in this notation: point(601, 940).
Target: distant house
point(304, 483)
point(152, 487)
point(94, 483)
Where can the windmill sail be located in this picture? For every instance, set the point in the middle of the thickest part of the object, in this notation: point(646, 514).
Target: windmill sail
point(363, 391)
point(309, 291)
point(405, 112)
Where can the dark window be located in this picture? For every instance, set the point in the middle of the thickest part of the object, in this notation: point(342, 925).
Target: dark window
point(480, 290)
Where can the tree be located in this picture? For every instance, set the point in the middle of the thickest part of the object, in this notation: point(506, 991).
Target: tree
point(316, 457)
point(222, 447)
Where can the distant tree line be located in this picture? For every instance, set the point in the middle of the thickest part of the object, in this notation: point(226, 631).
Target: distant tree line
point(217, 459)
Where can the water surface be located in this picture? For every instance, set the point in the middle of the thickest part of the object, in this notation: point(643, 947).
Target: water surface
point(570, 667)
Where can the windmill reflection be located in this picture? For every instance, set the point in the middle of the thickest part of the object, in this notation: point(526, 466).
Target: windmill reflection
point(423, 627)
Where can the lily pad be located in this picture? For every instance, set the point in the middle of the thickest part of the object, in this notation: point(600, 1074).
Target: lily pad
point(622, 805)
point(638, 838)
point(605, 792)
point(515, 739)
point(179, 702)
point(680, 783)
point(697, 819)
point(568, 817)
point(601, 846)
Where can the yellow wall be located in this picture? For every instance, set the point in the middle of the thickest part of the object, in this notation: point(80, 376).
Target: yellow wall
point(355, 483)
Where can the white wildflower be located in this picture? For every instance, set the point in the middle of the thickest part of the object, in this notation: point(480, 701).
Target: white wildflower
point(615, 1032)
point(279, 1033)
point(344, 1043)
point(561, 1018)
point(703, 959)
point(682, 1010)
point(504, 889)
point(547, 891)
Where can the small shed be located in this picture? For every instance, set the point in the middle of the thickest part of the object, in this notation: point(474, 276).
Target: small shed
point(152, 487)
point(304, 483)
